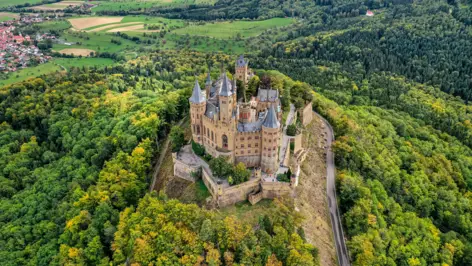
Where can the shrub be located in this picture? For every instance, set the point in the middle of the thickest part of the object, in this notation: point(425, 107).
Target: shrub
point(198, 149)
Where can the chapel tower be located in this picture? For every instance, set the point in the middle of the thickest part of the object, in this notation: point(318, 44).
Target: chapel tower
point(241, 70)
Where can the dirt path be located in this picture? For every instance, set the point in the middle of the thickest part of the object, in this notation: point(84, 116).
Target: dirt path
point(162, 155)
point(311, 198)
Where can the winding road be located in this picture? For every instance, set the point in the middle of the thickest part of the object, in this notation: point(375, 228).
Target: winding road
point(341, 250)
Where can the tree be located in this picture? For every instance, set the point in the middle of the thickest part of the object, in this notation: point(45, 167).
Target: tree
point(241, 173)
point(220, 168)
point(177, 138)
point(292, 130)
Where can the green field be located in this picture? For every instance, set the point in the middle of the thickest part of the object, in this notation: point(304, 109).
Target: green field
point(227, 29)
point(55, 65)
point(58, 25)
point(97, 41)
point(141, 5)
point(27, 73)
point(4, 16)
point(6, 3)
point(163, 23)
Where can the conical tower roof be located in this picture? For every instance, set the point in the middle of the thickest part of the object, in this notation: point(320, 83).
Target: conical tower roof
point(208, 79)
point(197, 95)
point(226, 88)
point(271, 120)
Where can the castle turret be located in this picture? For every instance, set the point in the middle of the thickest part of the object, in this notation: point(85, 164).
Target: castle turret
point(208, 85)
point(270, 142)
point(197, 110)
point(241, 70)
point(226, 100)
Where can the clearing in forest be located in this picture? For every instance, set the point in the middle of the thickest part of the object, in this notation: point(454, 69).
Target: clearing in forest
point(232, 29)
point(77, 51)
point(83, 23)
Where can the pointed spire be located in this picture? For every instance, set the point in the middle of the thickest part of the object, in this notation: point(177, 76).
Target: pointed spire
point(197, 95)
point(226, 86)
point(271, 120)
point(208, 79)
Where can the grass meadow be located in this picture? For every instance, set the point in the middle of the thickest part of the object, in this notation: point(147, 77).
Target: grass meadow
point(57, 64)
point(233, 29)
point(128, 5)
point(6, 3)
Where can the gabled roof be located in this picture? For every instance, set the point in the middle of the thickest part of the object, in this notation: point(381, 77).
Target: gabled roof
point(226, 87)
point(197, 95)
point(271, 120)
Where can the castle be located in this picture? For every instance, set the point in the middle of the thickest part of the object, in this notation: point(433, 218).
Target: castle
point(243, 131)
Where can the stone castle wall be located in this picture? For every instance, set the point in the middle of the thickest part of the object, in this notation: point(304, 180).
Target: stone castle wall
point(183, 170)
point(307, 114)
point(238, 193)
point(271, 190)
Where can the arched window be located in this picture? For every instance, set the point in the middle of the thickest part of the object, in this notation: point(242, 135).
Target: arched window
point(225, 141)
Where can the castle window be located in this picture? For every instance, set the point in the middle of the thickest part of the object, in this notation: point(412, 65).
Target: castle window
point(249, 145)
point(248, 151)
point(225, 141)
point(249, 138)
point(270, 140)
point(257, 137)
point(212, 139)
point(242, 152)
point(257, 151)
point(242, 145)
point(257, 145)
point(242, 138)
point(198, 130)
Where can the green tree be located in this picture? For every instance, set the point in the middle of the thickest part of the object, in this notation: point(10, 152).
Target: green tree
point(177, 138)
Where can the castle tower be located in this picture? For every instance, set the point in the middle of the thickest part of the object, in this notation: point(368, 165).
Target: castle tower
point(197, 110)
point(270, 142)
point(241, 70)
point(226, 100)
point(208, 85)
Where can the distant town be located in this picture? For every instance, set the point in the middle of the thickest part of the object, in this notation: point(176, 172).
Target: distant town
point(19, 51)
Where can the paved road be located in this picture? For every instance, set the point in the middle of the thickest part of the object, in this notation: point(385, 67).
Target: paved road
point(341, 250)
point(285, 138)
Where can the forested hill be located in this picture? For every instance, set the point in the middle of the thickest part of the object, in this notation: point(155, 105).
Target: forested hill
point(75, 163)
point(261, 9)
point(396, 87)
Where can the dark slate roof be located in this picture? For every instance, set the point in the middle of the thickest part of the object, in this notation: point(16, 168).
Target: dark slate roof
point(197, 95)
point(241, 62)
point(211, 110)
point(267, 95)
point(271, 120)
point(226, 87)
point(250, 127)
point(208, 79)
